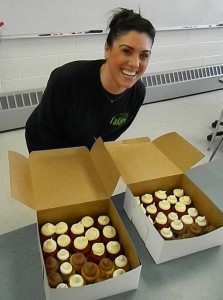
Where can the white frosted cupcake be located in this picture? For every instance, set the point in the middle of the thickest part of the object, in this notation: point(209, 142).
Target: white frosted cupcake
point(102, 222)
point(192, 211)
point(159, 195)
point(172, 216)
point(166, 233)
point(113, 249)
point(172, 199)
point(160, 221)
point(81, 245)
point(185, 200)
point(87, 222)
point(93, 235)
point(47, 231)
point(201, 221)
point(164, 206)
point(177, 228)
point(64, 241)
point(76, 280)
point(97, 252)
point(152, 211)
point(49, 248)
point(63, 255)
point(61, 228)
point(109, 234)
point(187, 219)
point(178, 193)
point(76, 230)
point(62, 286)
point(147, 199)
point(180, 209)
point(66, 270)
point(121, 262)
point(118, 272)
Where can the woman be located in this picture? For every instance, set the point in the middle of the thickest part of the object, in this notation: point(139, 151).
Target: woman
point(87, 99)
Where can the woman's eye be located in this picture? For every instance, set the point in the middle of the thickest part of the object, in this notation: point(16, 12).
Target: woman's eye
point(126, 51)
point(144, 55)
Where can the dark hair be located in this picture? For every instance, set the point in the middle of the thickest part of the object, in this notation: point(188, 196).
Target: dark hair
point(124, 20)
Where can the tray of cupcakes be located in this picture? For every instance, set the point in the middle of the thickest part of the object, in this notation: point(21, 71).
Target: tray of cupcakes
point(84, 252)
point(174, 215)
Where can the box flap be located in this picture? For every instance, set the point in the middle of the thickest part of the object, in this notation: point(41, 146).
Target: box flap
point(20, 180)
point(61, 177)
point(178, 150)
point(140, 161)
point(105, 166)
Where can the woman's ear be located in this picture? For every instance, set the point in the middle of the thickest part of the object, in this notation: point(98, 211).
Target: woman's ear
point(106, 49)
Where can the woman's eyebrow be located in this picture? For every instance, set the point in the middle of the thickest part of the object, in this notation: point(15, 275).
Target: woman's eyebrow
point(146, 50)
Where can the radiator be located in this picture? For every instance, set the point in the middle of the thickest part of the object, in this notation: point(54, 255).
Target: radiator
point(15, 108)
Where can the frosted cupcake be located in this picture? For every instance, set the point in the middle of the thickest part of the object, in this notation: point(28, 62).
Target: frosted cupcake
point(49, 248)
point(160, 221)
point(151, 211)
point(66, 270)
point(93, 235)
point(187, 220)
point(54, 279)
point(118, 272)
point(76, 230)
point(177, 228)
point(180, 209)
point(81, 245)
point(178, 193)
point(172, 199)
point(164, 206)
point(61, 228)
point(76, 280)
point(47, 231)
point(186, 200)
point(147, 199)
point(167, 233)
point(122, 262)
point(62, 286)
point(201, 221)
point(106, 266)
point(109, 234)
point(192, 211)
point(90, 272)
point(102, 221)
point(64, 242)
point(97, 252)
point(63, 255)
point(51, 264)
point(172, 216)
point(87, 222)
point(194, 229)
point(113, 249)
point(78, 260)
point(159, 195)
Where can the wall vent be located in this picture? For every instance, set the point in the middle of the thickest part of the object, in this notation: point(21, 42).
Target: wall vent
point(15, 108)
point(174, 84)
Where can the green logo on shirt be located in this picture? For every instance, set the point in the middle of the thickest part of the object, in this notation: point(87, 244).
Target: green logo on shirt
point(119, 119)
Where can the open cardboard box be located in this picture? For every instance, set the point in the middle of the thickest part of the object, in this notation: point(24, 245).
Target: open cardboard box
point(65, 185)
point(147, 166)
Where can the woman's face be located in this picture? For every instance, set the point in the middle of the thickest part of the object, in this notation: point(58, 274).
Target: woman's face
point(127, 59)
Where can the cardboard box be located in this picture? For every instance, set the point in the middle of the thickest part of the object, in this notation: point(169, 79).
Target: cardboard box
point(65, 185)
point(147, 166)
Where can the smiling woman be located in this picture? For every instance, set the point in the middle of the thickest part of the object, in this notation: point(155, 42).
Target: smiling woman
point(72, 114)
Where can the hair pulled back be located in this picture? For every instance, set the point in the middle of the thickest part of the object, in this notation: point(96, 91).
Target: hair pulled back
point(125, 20)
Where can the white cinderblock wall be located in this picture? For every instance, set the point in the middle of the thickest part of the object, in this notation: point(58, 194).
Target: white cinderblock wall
point(26, 63)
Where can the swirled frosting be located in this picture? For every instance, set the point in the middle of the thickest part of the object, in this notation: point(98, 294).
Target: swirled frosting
point(187, 219)
point(147, 198)
point(113, 247)
point(164, 204)
point(201, 221)
point(48, 229)
point(63, 240)
point(192, 211)
point(121, 261)
point(118, 272)
point(172, 216)
point(80, 242)
point(77, 228)
point(92, 234)
point(177, 225)
point(103, 220)
point(160, 194)
point(109, 232)
point(63, 254)
point(61, 228)
point(151, 209)
point(98, 249)
point(161, 218)
point(87, 221)
point(66, 268)
point(185, 200)
point(180, 207)
point(172, 199)
point(178, 192)
point(76, 280)
point(49, 246)
point(166, 233)
point(62, 286)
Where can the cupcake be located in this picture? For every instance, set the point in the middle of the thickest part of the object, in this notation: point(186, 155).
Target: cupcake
point(118, 272)
point(62, 286)
point(151, 211)
point(178, 193)
point(47, 231)
point(167, 233)
point(122, 262)
point(143, 208)
point(164, 206)
point(201, 221)
point(137, 200)
point(64, 242)
point(78, 260)
point(61, 228)
point(63, 255)
point(147, 199)
point(113, 249)
point(87, 222)
point(54, 279)
point(109, 234)
point(51, 264)
point(90, 272)
point(66, 270)
point(81, 244)
point(76, 230)
point(186, 200)
point(192, 211)
point(93, 235)
point(102, 221)
point(180, 209)
point(160, 221)
point(172, 199)
point(177, 228)
point(194, 229)
point(187, 220)
point(106, 266)
point(49, 248)
point(97, 252)
point(76, 280)
point(172, 216)
point(159, 195)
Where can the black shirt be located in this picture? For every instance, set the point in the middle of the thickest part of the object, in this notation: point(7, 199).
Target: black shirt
point(75, 109)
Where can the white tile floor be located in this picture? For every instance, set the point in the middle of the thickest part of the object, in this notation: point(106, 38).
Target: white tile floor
point(191, 117)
